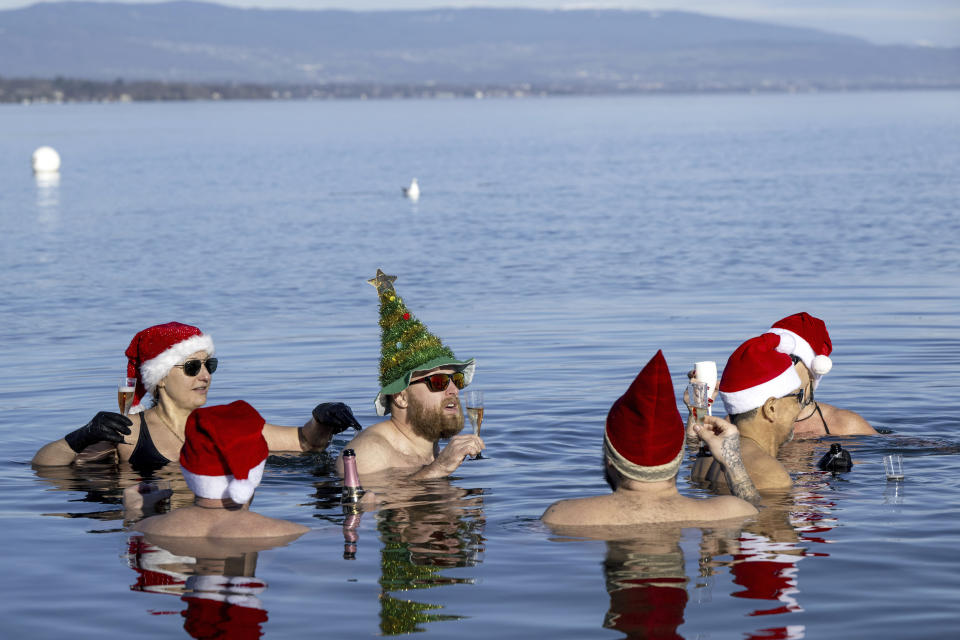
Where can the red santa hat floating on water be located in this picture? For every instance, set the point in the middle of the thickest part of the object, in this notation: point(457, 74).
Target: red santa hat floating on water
point(811, 342)
point(155, 350)
point(224, 451)
point(644, 435)
point(756, 371)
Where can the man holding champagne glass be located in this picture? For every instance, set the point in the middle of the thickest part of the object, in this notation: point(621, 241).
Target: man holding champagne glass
point(420, 382)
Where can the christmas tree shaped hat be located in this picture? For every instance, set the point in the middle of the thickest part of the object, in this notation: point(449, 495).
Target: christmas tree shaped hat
point(406, 346)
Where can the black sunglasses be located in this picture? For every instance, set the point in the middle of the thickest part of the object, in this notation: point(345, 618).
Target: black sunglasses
point(799, 395)
point(439, 381)
point(192, 367)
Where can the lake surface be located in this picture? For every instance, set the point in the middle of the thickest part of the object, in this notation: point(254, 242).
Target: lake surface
point(561, 242)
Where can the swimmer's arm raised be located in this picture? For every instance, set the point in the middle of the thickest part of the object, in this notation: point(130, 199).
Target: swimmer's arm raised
point(723, 438)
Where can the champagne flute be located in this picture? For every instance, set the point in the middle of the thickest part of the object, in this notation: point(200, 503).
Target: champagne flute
point(475, 413)
point(125, 390)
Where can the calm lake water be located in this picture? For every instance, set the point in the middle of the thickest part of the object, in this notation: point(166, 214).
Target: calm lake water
point(561, 242)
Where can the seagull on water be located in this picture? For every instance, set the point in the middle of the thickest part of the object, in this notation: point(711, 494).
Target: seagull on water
point(413, 191)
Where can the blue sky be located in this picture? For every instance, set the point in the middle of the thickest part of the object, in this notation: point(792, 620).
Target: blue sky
point(928, 22)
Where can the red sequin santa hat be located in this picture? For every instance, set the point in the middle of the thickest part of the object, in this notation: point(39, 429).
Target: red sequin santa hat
point(224, 451)
point(154, 351)
point(644, 435)
point(811, 342)
point(756, 371)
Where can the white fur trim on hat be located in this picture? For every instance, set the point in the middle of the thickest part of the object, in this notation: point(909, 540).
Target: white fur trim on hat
point(818, 365)
point(220, 487)
point(753, 397)
point(638, 472)
point(156, 369)
point(800, 347)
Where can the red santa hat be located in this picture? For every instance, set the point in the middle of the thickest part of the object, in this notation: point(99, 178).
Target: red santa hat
point(224, 451)
point(154, 351)
point(756, 371)
point(811, 342)
point(644, 435)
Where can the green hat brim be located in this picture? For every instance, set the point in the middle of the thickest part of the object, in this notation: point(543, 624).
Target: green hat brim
point(401, 383)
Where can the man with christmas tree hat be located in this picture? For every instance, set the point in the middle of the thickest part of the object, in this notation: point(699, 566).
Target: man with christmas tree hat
point(420, 381)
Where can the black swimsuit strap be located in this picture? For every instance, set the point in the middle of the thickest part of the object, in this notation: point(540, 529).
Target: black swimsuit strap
point(825, 427)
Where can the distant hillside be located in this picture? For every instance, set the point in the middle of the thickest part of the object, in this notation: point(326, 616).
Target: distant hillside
point(623, 50)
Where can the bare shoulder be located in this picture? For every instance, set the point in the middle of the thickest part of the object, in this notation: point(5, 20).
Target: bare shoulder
point(374, 448)
point(845, 422)
point(722, 507)
point(589, 511)
point(247, 524)
point(765, 471)
point(176, 523)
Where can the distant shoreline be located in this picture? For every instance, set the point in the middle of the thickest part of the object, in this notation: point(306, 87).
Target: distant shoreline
point(75, 90)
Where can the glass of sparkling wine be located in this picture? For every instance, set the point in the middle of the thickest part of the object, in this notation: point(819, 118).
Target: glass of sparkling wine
point(125, 390)
point(475, 413)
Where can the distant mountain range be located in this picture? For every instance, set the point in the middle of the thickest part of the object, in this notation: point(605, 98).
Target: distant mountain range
point(571, 49)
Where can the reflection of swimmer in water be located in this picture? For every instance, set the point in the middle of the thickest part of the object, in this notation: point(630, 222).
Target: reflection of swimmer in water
point(643, 446)
point(424, 531)
point(811, 348)
point(647, 583)
point(215, 580)
point(762, 394)
point(222, 460)
point(174, 363)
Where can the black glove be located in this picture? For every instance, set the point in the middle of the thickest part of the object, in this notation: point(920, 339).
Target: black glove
point(336, 415)
point(104, 426)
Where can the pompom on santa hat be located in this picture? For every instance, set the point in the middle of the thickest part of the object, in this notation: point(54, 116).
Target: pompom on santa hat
point(756, 371)
point(224, 451)
point(154, 351)
point(811, 342)
point(644, 435)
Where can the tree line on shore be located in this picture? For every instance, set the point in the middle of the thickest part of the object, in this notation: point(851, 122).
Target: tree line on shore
point(60, 89)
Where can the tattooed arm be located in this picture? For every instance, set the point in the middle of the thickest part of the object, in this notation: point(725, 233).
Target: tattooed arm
point(723, 438)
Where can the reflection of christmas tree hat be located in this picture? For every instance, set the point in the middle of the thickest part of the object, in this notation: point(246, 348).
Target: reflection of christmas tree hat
point(406, 346)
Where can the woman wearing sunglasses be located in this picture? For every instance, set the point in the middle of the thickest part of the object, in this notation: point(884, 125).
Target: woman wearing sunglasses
point(174, 364)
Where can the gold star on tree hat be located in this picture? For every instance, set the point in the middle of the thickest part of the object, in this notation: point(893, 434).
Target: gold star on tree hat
point(406, 345)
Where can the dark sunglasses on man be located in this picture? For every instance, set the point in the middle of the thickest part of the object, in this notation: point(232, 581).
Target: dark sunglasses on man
point(191, 368)
point(439, 381)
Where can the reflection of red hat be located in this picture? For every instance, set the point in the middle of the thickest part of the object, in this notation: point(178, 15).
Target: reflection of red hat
point(756, 371)
point(155, 350)
point(224, 451)
point(222, 614)
point(811, 341)
point(644, 433)
point(649, 609)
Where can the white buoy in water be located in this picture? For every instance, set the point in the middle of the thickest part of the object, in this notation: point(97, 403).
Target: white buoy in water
point(46, 160)
point(413, 191)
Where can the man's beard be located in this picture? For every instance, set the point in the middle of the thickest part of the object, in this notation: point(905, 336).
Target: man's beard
point(433, 424)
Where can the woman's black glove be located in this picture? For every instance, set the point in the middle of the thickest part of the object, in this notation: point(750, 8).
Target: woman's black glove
point(104, 426)
point(335, 415)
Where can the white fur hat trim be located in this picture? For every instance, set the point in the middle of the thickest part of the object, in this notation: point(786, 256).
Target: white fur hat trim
point(818, 365)
point(156, 369)
point(747, 399)
point(220, 487)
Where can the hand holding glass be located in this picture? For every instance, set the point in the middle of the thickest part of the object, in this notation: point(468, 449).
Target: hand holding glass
point(125, 391)
point(474, 401)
